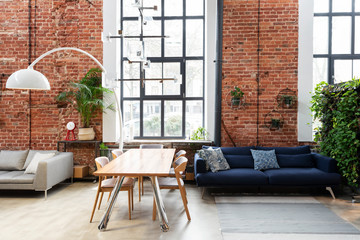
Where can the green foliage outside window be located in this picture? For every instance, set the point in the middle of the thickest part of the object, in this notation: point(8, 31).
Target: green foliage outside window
point(338, 109)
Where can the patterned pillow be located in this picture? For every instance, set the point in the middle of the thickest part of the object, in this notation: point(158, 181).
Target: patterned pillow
point(202, 155)
point(264, 159)
point(215, 159)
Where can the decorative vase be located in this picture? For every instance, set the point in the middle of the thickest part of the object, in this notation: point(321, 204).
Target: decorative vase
point(86, 134)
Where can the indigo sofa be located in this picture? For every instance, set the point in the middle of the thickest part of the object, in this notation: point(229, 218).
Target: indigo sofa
point(49, 172)
point(298, 167)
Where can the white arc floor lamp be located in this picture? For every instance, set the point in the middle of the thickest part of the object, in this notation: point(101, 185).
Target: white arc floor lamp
point(35, 80)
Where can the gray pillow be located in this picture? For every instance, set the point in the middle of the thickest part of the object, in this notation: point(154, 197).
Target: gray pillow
point(215, 159)
point(202, 155)
point(264, 159)
point(32, 154)
point(12, 160)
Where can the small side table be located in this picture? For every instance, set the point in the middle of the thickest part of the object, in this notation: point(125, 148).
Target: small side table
point(96, 145)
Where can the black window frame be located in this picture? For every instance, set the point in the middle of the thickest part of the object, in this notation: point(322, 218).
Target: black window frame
point(182, 60)
point(329, 55)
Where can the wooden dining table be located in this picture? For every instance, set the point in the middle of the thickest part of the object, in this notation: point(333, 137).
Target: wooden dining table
point(137, 163)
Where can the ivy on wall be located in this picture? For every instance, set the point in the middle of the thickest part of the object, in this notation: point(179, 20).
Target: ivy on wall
point(337, 107)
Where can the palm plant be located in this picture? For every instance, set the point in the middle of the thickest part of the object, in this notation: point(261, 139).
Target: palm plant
point(87, 96)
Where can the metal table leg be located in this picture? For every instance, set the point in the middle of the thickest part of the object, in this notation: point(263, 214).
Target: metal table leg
point(160, 205)
point(115, 192)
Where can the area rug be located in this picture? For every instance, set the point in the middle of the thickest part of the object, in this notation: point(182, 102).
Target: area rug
point(289, 215)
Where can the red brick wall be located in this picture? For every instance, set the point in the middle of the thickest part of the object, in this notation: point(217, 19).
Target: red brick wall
point(278, 69)
point(55, 23)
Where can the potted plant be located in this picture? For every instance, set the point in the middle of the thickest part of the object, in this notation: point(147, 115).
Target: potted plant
point(275, 123)
point(287, 100)
point(199, 134)
point(236, 94)
point(86, 97)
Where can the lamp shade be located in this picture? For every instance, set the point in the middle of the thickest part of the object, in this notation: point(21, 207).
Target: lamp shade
point(28, 79)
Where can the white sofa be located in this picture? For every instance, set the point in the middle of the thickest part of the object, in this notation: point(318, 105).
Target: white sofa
point(49, 171)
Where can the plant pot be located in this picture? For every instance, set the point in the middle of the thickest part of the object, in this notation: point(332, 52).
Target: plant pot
point(275, 123)
point(235, 101)
point(288, 101)
point(86, 134)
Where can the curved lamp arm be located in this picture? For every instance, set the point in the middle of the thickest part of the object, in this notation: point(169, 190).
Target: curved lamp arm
point(66, 48)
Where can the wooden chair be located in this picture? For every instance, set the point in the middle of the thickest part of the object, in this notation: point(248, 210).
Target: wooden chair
point(175, 183)
point(107, 185)
point(141, 179)
point(179, 154)
point(116, 152)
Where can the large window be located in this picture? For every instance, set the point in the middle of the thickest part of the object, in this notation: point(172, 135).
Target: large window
point(336, 40)
point(164, 109)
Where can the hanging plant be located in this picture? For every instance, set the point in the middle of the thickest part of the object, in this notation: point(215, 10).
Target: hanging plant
point(236, 95)
point(337, 107)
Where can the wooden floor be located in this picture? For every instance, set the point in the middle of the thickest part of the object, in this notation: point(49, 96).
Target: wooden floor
point(66, 213)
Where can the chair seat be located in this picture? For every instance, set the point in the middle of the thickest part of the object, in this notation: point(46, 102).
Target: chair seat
point(169, 182)
point(110, 182)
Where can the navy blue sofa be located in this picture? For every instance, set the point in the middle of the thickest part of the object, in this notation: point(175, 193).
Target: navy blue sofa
point(298, 167)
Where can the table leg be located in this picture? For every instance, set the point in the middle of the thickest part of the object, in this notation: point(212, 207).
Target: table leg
point(115, 192)
point(160, 205)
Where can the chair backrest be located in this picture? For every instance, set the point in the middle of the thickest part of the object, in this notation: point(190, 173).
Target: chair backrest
point(116, 152)
point(149, 146)
point(180, 153)
point(180, 166)
point(101, 162)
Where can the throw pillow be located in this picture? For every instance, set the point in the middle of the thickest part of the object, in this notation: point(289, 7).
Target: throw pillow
point(264, 159)
point(12, 160)
point(202, 155)
point(32, 154)
point(31, 169)
point(215, 159)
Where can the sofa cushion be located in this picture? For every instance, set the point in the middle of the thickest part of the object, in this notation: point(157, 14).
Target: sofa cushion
point(232, 177)
point(264, 159)
point(16, 177)
point(31, 169)
point(32, 154)
point(288, 150)
point(215, 159)
point(240, 161)
point(301, 160)
point(234, 150)
point(301, 177)
point(12, 160)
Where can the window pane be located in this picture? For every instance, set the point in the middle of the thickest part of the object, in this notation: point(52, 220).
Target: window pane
point(194, 116)
point(194, 78)
point(341, 5)
point(129, 10)
point(152, 118)
point(342, 70)
point(131, 28)
point(321, 35)
point(172, 70)
point(153, 87)
point(321, 6)
point(152, 3)
point(173, 44)
point(357, 34)
point(152, 45)
point(341, 35)
point(356, 69)
point(173, 7)
point(357, 6)
point(131, 71)
point(194, 38)
point(194, 7)
point(173, 118)
point(320, 71)
point(131, 113)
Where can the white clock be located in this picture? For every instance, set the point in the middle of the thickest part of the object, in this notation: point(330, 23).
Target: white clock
point(70, 126)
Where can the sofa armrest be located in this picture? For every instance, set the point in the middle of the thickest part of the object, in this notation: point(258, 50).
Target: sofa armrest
point(53, 171)
point(324, 163)
point(199, 164)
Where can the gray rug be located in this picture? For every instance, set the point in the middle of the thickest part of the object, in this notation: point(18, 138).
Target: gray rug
point(262, 214)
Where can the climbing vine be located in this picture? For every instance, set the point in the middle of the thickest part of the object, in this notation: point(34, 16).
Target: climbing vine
point(337, 107)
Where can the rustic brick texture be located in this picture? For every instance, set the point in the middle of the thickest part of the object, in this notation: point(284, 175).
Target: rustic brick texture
point(55, 23)
point(278, 69)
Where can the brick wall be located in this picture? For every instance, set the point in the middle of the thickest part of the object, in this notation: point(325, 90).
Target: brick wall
point(55, 23)
point(278, 62)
